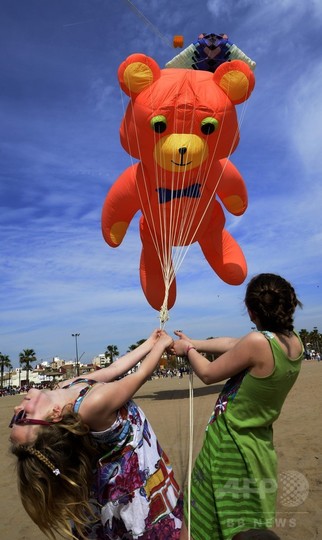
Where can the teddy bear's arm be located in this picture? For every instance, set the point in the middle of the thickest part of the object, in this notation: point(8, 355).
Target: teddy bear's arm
point(232, 189)
point(121, 203)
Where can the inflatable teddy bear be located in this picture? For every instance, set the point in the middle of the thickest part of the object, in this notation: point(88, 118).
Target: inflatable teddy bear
point(181, 124)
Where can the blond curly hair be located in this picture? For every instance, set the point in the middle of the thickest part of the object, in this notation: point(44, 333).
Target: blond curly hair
point(55, 476)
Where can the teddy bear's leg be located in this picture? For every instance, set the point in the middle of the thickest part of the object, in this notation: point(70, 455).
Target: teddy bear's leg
point(151, 274)
point(225, 257)
point(222, 251)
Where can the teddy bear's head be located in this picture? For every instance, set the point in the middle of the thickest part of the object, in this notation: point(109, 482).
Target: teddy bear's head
point(180, 120)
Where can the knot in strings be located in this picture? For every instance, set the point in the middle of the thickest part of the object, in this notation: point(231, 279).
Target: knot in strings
point(163, 314)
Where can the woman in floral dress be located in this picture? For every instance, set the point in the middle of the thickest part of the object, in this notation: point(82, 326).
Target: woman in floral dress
point(89, 463)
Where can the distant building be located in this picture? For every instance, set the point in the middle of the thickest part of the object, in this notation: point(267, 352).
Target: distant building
point(52, 372)
point(101, 361)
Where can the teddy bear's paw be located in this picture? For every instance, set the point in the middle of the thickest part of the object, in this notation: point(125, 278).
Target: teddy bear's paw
point(117, 232)
point(235, 204)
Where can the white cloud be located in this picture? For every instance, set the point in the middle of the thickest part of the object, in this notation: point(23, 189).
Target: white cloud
point(305, 116)
point(102, 96)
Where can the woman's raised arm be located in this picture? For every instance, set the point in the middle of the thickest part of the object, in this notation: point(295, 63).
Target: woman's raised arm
point(106, 399)
point(217, 346)
point(123, 364)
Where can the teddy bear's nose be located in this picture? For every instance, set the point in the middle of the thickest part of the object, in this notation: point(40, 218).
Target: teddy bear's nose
point(182, 151)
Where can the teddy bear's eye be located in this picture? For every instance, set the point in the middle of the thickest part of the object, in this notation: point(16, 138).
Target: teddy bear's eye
point(209, 125)
point(159, 123)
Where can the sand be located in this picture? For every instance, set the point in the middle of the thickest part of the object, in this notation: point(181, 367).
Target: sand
point(298, 442)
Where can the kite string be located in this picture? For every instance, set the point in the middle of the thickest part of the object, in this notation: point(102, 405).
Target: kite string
point(190, 447)
point(186, 230)
point(179, 255)
point(149, 23)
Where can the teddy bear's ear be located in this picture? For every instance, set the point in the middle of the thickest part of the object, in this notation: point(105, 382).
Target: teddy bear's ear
point(236, 79)
point(136, 73)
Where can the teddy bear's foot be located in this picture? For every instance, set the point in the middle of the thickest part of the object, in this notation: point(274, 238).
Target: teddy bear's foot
point(152, 281)
point(225, 257)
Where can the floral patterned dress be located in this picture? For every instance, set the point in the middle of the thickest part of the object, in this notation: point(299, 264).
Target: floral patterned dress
point(135, 493)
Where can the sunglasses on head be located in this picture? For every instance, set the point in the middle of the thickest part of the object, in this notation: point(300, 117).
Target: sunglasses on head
point(20, 419)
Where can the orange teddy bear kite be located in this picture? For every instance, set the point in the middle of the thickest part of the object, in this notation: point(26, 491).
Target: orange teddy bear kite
point(182, 125)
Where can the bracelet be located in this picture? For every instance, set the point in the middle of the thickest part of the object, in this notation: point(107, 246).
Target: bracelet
point(189, 349)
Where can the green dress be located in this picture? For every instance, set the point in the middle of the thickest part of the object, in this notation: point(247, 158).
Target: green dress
point(234, 479)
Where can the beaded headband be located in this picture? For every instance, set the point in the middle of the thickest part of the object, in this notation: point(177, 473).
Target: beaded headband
point(33, 451)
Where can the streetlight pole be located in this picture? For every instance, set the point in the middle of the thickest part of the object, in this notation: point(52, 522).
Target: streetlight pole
point(77, 362)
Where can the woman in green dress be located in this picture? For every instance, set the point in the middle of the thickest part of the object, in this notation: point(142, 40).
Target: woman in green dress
point(234, 479)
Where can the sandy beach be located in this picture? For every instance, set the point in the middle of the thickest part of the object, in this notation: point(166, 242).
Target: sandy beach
point(298, 442)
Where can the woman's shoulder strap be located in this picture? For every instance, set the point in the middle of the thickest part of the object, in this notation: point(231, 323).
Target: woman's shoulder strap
point(267, 334)
point(89, 382)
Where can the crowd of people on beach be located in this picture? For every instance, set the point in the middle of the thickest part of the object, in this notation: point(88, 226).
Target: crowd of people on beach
point(23, 389)
point(157, 374)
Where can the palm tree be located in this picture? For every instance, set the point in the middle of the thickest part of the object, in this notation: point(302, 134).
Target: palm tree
point(26, 357)
point(312, 341)
point(304, 335)
point(315, 338)
point(4, 362)
point(111, 352)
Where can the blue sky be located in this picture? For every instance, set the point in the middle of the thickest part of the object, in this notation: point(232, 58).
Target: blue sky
point(60, 113)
